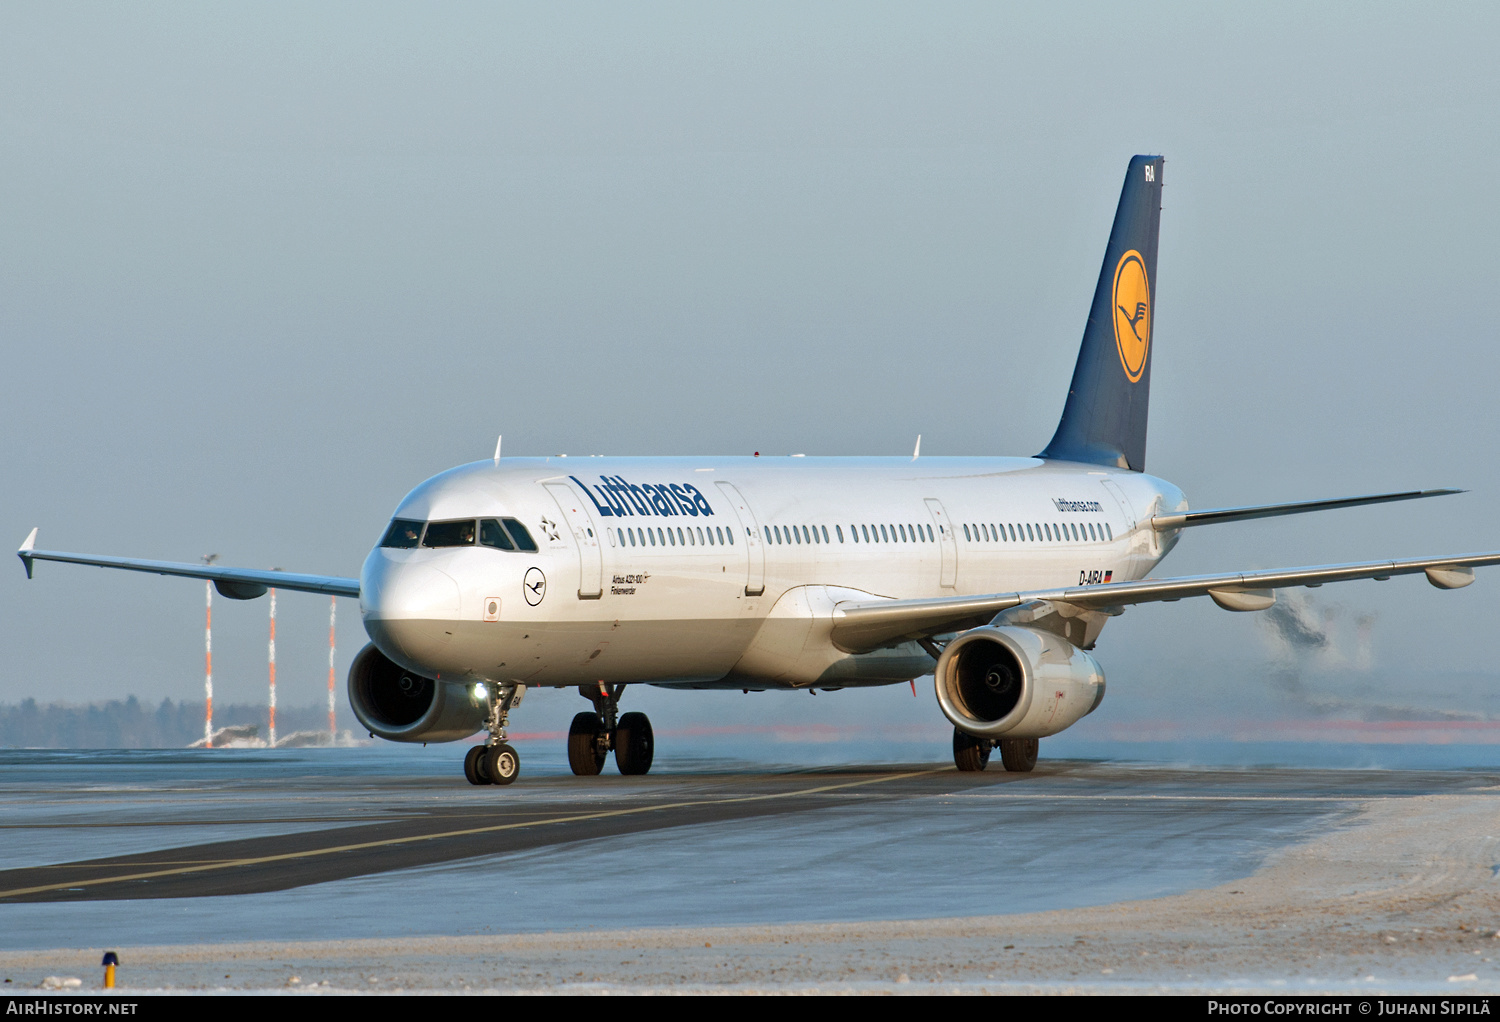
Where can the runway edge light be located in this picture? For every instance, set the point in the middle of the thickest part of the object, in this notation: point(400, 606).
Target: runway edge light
point(110, 961)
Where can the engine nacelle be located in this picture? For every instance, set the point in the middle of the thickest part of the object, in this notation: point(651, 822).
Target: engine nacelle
point(1012, 682)
point(402, 706)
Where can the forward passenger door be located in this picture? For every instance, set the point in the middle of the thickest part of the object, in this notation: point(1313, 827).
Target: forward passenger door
point(586, 534)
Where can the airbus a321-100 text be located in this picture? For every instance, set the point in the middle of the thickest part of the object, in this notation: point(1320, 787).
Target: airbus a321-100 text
point(993, 574)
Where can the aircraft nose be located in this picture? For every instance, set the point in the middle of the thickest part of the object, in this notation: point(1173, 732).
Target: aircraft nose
point(397, 591)
point(409, 610)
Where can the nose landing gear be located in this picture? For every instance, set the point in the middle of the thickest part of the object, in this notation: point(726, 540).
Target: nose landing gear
point(496, 761)
point(592, 735)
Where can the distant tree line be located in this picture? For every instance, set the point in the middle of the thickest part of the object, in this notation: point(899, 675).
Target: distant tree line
point(131, 724)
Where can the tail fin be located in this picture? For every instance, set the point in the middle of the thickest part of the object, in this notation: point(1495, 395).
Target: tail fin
point(1104, 421)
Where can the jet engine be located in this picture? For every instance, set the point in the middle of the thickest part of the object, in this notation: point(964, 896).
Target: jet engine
point(402, 706)
point(1011, 682)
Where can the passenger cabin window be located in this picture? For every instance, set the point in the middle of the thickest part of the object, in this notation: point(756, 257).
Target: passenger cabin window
point(403, 534)
point(441, 534)
point(492, 533)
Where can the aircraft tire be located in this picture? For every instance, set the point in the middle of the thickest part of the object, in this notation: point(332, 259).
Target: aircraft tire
point(474, 764)
point(502, 764)
point(970, 754)
point(583, 745)
point(1019, 754)
point(635, 745)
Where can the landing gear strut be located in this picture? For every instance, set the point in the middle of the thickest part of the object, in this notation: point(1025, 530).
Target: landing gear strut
point(496, 762)
point(592, 735)
point(971, 753)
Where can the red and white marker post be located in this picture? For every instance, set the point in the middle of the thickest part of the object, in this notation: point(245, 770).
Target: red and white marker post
point(333, 608)
point(273, 668)
point(208, 665)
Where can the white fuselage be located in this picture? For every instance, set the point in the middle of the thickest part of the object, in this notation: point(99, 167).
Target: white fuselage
point(724, 572)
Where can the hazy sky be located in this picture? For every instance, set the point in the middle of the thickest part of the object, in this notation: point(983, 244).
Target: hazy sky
point(267, 266)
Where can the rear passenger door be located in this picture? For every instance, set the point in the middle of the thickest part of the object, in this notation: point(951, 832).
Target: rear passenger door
point(948, 573)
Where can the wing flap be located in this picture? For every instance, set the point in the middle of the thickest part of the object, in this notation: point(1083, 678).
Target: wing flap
point(863, 627)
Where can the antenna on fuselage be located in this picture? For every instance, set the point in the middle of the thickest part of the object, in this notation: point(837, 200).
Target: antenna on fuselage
point(497, 449)
point(918, 449)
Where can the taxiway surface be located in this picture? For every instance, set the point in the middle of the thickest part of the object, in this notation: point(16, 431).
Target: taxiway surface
point(220, 854)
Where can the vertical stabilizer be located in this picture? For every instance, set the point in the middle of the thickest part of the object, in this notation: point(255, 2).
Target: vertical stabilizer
point(1104, 421)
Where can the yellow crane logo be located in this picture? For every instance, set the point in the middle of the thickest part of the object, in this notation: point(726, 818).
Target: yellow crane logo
point(1132, 314)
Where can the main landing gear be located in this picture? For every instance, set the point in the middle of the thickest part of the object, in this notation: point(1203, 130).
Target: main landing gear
point(495, 762)
point(592, 735)
point(971, 753)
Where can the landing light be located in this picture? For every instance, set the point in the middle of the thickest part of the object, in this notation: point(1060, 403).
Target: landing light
point(481, 692)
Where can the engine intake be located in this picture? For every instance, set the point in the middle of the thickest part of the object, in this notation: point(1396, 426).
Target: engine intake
point(1013, 682)
point(403, 706)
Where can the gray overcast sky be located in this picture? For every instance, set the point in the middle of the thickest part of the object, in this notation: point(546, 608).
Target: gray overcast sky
point(267, 266)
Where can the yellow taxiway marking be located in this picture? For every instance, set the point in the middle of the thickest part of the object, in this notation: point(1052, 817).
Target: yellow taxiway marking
point(387, 842)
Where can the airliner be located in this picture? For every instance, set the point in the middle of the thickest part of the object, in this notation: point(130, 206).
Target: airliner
point(995, 575)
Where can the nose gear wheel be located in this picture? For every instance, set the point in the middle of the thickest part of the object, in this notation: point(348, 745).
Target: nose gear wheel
point(472, 766)
point(502, 764)
point(495, 762)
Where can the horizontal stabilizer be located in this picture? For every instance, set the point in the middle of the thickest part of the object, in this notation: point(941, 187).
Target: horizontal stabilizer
point(863, 627)
point(1214, 516)
point(235, 583)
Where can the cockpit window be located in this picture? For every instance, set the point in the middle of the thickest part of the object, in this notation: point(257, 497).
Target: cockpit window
point(450, 533)
point(403, 534)
point(492, 533)
point(520, 535)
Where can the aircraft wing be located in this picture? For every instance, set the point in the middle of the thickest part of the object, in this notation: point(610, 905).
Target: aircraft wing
point(235, 583)
point(1216, 515)
point(863, 627)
